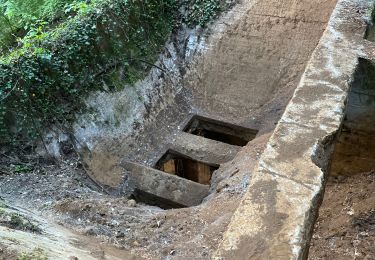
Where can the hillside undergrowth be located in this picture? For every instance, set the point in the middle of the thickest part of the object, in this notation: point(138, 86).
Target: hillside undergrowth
point(69, 48)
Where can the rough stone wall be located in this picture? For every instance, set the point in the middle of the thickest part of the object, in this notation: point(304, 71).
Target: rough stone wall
point(254, 58)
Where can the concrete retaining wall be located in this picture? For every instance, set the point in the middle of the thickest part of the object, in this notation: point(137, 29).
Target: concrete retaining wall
point(276, 216)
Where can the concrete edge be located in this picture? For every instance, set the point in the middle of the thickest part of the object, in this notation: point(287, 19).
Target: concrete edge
point(276, 216)
point(163, 185)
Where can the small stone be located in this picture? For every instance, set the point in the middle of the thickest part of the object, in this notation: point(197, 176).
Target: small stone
point(90, 230)
point(132, 203)
point(350, 212)
point(114, 223)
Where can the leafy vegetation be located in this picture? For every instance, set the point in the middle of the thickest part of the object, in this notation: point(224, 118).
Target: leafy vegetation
point(45, 79)
point(22, 168)
point(17, 16)
point(200, 12)
point(2, 205)
point(58, 51)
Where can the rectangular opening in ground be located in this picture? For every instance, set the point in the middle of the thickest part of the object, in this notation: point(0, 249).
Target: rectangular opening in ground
point(348, 205)
point(185, 167)
point(355, 149)
point(220, 131)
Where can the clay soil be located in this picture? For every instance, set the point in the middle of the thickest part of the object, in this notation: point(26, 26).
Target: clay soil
point(345, 228)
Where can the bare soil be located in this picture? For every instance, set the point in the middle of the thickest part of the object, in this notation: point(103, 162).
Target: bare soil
point(345, 228)
point(6, 253)
point(63, 195)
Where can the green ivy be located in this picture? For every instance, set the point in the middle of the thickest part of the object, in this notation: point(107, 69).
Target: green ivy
point(103, 44)
point(44, 81)
point(16, 16)
point(200, 12)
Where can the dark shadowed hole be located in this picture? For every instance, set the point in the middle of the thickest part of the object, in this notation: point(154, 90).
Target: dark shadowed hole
point(220, 131)
point(347, 211)
point(153, 200)
point(185, 167)
point(355, 148)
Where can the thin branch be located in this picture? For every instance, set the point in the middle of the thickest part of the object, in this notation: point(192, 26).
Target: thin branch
point(115, 64)
point(153, 65)
point(8, 94)
point(106, 69)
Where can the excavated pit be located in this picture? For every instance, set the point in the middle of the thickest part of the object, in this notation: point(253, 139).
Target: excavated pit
point(185, 167)
point(220, 131)
point(345, 226)
point(355, 148)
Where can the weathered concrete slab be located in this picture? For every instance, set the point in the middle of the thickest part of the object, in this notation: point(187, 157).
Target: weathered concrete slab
point(204, 150)
point(171, 189)
point(276, 217)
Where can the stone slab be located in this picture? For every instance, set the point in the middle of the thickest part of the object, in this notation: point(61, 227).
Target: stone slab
point(167, 187)
point(204, 150)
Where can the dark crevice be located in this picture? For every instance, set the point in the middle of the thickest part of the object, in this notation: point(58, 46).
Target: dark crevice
point(185, 167)
point(350, 150)
point(153, 200)
point(220, 131)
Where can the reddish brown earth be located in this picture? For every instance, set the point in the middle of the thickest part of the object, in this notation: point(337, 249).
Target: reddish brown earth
point(345, 228)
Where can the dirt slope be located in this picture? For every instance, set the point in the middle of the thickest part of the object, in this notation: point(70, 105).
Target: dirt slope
point(345, 228)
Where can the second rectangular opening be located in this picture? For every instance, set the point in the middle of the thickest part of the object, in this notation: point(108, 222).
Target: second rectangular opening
point(185, 167)
point(220, 131)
